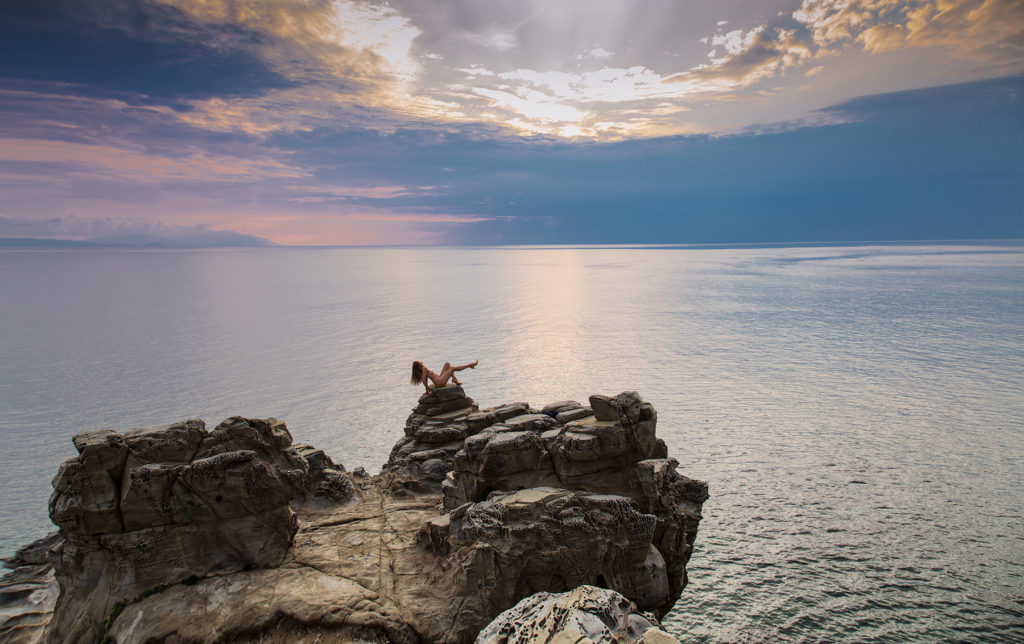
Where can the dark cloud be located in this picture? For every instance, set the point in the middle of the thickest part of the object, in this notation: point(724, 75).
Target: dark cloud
point(131, 49)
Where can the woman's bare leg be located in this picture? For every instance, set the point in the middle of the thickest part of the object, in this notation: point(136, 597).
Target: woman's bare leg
point(449, 372)
point(446, 374)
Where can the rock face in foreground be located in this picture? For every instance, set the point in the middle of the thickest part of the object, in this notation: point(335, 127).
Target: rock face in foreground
point(179, 534)
point(158, 506)
point(584, 615)
point(28, 593)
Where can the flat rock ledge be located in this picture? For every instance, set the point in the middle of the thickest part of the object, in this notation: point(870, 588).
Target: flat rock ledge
point(180, 534)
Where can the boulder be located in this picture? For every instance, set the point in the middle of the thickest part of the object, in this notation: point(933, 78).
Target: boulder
point(433, 433)
point(583, 615)
point(326, 481)
point(156, 506)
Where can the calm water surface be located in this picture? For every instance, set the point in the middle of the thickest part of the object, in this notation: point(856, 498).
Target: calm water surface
point(857, 411)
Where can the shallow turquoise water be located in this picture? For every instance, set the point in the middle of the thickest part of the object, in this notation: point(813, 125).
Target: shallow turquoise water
point(857, 411)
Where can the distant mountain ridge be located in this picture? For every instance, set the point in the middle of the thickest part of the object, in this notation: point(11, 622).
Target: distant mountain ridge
point(18, 242)
point(35, 242)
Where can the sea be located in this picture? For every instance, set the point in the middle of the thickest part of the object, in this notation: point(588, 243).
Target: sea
point(857, 410)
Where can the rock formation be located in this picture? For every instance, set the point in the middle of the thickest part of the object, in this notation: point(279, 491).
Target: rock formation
point(179, 534)
point(158, 506)
point(583, 616)
point(433, 434)
point(28, 593)
point(637, 521)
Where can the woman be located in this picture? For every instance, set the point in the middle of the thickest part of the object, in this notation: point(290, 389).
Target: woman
point(420, 374)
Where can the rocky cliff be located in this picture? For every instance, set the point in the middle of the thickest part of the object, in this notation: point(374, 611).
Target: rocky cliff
point(181, 534)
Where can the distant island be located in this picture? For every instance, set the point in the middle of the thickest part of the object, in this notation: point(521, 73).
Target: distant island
point(15, 242)
point(236, 241)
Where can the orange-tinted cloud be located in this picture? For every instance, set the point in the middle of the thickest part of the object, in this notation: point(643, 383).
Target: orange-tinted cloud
point(989, 32)
point(140, 165)
point(357, 64)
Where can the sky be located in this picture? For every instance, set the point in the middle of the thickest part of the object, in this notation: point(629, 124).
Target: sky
point(338, 122)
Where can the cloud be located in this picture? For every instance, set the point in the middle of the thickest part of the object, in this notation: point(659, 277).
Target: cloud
point(346, 40)
point(348, 63)
point(740, 63)
point(126, 233)
point(533, 105)
point(364, 65)
point(605, 85)
point(342, 194)
point(741, 59)
point(428, 217)
point(613, 102)
point(884, 37)
point(308, 107)
point(498, 39)
point(982, 31)
point(137, 164)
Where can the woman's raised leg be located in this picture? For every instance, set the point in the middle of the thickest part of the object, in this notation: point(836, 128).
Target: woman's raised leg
point(449, 371)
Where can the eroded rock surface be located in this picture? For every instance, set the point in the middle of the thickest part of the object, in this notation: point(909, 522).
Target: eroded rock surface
point(28, 592)
point(326, 481)
point(584, 615)
point(179, 534)
point(434, 432)
point(553, 539)
point(157, 506)
point(615, 452)
point(256, 606)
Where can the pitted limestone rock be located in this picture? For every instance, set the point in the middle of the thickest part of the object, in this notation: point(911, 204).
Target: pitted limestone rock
point(584, 614)
point(326, 481)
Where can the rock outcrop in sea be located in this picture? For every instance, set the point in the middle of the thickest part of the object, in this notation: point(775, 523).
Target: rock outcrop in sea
point(182, 534)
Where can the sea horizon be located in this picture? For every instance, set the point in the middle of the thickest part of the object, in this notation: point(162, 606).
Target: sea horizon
point(1012, 241)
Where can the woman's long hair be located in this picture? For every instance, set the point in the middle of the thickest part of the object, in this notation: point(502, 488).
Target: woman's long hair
point(417, 373)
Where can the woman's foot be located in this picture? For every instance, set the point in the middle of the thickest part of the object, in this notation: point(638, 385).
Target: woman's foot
point(456, 381)
point(472, 365)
